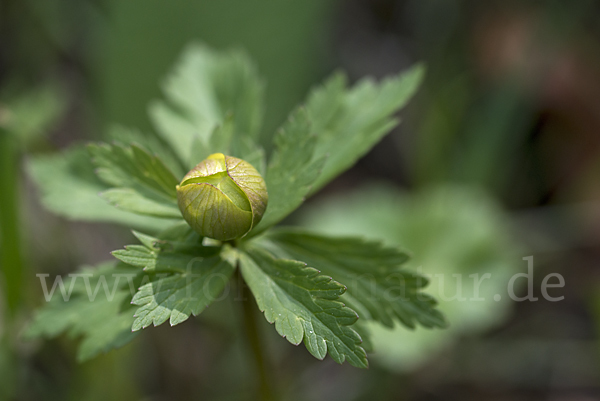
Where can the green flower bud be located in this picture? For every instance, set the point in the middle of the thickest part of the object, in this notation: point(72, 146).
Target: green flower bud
point(223, 197)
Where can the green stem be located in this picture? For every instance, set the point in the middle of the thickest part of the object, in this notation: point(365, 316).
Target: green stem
point(250, 316)
point(11, 261)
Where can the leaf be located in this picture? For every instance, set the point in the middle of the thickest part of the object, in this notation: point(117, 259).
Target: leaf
point(133, 167)
point(133, 201)
point(127, 136)
point(304, 305)
point(195, 276)
point(349, 122)
point(160, 255)
point(146, 186)
point(457, 235)
point(70, 188)
point(176, 297)
point(203, 89)
point(291, 171)
point(361, 327)
point(102, 318)
point(376, 284)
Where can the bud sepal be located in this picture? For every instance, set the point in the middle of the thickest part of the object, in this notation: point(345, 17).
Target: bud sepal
point(223, 197)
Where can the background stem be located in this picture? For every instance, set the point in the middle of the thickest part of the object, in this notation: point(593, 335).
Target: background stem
point(250, 316)
point(11, 262)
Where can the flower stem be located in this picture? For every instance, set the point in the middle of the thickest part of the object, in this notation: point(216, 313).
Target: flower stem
point(250, 315)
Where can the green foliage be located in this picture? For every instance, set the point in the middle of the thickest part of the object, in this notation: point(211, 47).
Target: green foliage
point(98, 309)
point(126, 136)
point(350, 121)
point(142, 183)
point(292, 169)
point(69, 188)
point(376, 284)
point(195, 276)
point(133, 168)
point(200, 93)
point(177, 296)
point(303, 304)
point(452, 230)
point(214, 104)
point(162, 255)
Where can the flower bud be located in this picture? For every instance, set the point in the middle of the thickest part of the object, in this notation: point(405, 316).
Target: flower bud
point(223, 197)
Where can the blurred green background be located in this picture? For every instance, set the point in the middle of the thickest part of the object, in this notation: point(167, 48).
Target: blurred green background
point(497, 159)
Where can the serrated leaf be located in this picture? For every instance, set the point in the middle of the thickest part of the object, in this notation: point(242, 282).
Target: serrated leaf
point(350, 121)
point(98, 310)
point(204, 88)
point(291, 171)
point(132, 167)
point(456, 234)
point(70, 188)
point(304, 305)
point(126, 136)
point(180, 295)
point(371, 271)
point(190, 277)
point(361, 327)
point(161, 255)
point(145, 185)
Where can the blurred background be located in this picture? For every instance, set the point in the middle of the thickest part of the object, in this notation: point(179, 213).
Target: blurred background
point(497, 159)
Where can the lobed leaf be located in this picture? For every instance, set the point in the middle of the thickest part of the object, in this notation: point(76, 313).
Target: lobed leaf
point(291, 171)
point(453, 231)
point(377, 287)
point(176, 297)
point(350, 121)
point(70, 188)
point(145, 185)
point(304, 305)
point(338, 127)
point(132, 167)
point(203, 90)
point(155, 146)
point(190, 277)
point(160, 255)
